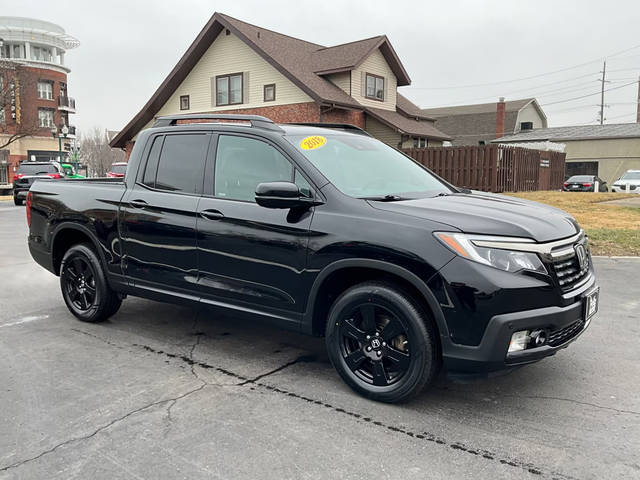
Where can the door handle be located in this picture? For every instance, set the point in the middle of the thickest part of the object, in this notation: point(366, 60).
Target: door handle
point(212, 214)
point(138, 203)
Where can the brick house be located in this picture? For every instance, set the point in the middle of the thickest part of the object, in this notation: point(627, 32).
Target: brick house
point(34, 92)
point(236, 67)
point(479, 124)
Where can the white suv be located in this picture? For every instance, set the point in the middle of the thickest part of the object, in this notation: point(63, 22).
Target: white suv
point(631, 178)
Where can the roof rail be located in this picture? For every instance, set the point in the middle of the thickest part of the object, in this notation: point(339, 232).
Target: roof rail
point(335, 126)
point(256, 121)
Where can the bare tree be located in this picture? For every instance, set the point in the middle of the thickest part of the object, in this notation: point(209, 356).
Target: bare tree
point(15, 122)
point(96, 153)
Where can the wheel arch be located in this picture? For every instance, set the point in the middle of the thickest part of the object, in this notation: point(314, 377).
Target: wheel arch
point(68, 234)
point(349, 272)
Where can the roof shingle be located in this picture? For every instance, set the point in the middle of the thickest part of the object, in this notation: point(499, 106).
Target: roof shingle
point(579, 132)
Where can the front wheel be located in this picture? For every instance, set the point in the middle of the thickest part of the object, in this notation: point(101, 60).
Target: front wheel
point(381, 342)
point(84, 285)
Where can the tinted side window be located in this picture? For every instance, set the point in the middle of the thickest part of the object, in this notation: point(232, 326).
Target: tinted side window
point(181, 165)
point(150, 170)
point(242, 163)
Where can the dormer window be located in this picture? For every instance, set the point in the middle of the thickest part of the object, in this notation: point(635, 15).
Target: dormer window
point(375, 87)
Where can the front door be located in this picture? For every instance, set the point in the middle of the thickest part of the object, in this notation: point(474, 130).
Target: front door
point(158, 225)
point(248, 254)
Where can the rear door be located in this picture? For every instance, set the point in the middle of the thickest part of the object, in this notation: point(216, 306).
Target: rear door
point(158, 215)
point(247, 253)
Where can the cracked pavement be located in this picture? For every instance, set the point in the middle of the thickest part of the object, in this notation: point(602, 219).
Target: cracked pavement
point(162, 391)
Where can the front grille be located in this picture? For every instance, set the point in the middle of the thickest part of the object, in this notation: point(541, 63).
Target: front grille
point(568, 271)
point(565, 334)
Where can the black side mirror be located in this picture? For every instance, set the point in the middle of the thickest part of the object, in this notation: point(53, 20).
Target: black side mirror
point(282, 195)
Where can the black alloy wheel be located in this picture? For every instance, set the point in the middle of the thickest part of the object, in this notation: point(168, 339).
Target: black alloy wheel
point(84, 285)
point(375, 344)
point(80, 283)
point(382, 342)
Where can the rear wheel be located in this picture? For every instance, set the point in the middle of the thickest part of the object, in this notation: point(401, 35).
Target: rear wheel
point(381, 342)
point(17, 201)
point(84, 285)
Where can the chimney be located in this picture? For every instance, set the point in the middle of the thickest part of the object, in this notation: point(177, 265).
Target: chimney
point(500, 118)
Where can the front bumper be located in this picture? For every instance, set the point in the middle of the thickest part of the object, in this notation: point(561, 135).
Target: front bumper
point(566, 323)
point(623, 189)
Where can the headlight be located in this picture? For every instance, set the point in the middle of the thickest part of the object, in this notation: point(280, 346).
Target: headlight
point(508, 260)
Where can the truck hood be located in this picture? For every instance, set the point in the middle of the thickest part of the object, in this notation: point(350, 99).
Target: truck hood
point(489, 214)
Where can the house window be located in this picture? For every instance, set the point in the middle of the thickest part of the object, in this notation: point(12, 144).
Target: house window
point(375, 87)
point(270, 92)
point(40, 53)
point(184, 102)
point(229, 89)
point(45, 90)
point(2, 115)
point(526, 125)
point(45, 117)
point(423, 143)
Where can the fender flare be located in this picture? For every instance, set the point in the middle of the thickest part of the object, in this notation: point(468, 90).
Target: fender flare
point(405, 274)
point(81, 228)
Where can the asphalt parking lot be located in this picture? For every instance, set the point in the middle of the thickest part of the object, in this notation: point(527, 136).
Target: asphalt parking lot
point(161, 391)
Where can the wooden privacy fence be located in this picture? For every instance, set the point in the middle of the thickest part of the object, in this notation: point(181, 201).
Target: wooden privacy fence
point(494, 168)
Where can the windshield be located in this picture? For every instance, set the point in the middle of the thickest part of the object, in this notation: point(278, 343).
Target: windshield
point(119, 169)
point(361, 166)
point(631, 176)
point(36, 168)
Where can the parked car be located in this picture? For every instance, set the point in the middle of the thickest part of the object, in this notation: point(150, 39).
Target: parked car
point(584, 183)
point(28, 172)
point(117, 169)
point(325, 232)
point(70, 171)
point(631, 178)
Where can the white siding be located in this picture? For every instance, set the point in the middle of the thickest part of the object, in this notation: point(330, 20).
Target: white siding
point(377, 65)
point(342, 80)
point(530, 114)
point(228, 54)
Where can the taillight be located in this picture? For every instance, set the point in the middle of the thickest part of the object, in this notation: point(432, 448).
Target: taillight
point(566, 184)
point(18, 175)
point(54, 175)
point(29, 197)
point(587, 184)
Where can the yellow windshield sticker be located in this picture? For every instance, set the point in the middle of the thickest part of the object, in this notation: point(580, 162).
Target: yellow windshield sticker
point(311, 143)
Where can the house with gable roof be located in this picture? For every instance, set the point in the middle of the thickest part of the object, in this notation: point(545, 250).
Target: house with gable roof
point(236, 67)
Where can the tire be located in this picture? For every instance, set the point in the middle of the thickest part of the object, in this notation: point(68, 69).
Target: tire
point(84, 285)
point(17, 201)
point(401, 331)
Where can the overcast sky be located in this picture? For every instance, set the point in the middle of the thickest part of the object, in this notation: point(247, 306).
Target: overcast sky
point(456, 52)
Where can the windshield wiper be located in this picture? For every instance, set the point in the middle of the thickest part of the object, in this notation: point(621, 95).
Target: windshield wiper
point(385, 198)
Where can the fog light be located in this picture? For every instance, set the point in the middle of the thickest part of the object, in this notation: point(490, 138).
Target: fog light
point(538, 338)
point(519, 341)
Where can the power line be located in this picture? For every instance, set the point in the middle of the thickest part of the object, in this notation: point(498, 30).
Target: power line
point(589, 95)
point(502, 82)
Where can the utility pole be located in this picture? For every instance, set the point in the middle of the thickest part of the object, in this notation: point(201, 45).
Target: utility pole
point(604, 69)
point(638, 107)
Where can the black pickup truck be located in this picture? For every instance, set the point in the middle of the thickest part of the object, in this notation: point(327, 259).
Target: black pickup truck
point(325, 231)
